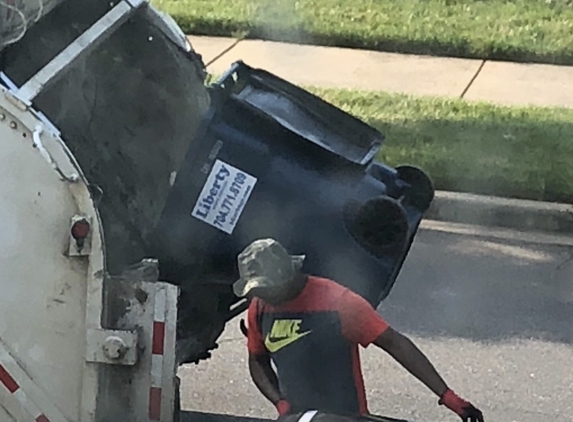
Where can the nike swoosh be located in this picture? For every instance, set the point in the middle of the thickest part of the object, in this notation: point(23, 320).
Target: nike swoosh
point(275, 346)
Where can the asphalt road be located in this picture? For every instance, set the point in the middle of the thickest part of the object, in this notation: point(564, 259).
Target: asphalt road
point(494, 316)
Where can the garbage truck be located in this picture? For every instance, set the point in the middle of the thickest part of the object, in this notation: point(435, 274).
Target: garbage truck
point(129, 185)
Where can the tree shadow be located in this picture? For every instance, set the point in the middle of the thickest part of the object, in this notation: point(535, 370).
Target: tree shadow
point(483, 290)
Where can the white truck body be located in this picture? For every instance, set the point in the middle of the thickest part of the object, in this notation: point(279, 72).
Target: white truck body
point(57, 361)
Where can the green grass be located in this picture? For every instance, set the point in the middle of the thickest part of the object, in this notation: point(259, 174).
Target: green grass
point(518, 30)
point(471, 147)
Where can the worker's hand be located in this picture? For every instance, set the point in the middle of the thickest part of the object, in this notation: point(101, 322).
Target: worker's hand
point(283, 407)
point(467, 411)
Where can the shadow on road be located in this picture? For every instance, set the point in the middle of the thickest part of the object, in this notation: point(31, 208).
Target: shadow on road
point(484, 290)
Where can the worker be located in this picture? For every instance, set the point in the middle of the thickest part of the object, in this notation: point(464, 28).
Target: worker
point(310, 327)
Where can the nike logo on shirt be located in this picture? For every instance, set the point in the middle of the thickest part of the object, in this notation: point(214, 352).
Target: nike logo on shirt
point(283, 333)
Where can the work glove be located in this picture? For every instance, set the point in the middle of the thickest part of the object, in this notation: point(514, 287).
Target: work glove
point(462, 408)
point(283, 407)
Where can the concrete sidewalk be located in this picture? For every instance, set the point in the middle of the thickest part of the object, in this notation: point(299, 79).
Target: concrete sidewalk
point(497, 82)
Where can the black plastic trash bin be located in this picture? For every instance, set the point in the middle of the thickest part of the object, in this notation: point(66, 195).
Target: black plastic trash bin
point(273, 160)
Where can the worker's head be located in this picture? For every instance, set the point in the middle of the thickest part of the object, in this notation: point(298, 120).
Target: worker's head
point(268, 271)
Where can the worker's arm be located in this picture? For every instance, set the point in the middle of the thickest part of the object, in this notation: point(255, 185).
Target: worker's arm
point(264, 377)
point(412, 359)
point(260, 367)
point(363, 325)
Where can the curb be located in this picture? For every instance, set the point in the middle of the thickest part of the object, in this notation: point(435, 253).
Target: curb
point(490, 211)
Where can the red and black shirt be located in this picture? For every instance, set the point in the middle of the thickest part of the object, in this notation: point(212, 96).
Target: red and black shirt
point(313, 341)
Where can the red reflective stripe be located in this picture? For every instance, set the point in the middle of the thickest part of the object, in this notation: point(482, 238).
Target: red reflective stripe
point(158, 337)
point(42, 418)
point(154, 403)
point(7, 380)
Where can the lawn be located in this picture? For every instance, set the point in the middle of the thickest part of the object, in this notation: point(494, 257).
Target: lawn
point(471, 147)
point(518, 30)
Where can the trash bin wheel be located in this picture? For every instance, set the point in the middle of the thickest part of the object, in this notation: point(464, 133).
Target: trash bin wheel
point(421, 191)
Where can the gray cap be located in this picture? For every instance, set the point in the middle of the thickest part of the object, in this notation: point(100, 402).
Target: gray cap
point(265, 263)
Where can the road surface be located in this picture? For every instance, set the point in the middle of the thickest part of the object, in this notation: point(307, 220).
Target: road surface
point(494, 316)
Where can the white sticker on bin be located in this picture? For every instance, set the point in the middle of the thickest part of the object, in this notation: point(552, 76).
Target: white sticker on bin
point(224, 196)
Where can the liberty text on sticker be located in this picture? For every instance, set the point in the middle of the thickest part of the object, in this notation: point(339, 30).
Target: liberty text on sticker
point(224, 196)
